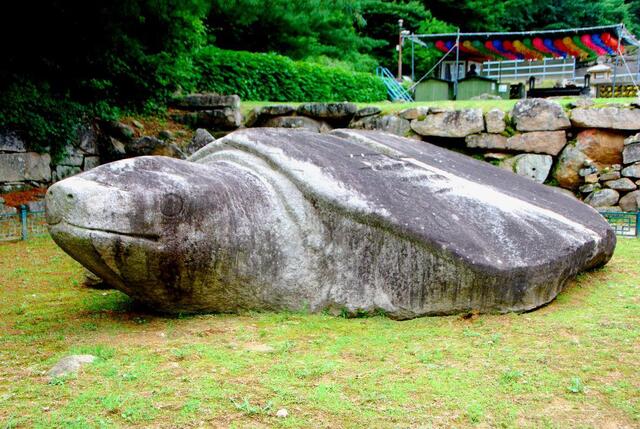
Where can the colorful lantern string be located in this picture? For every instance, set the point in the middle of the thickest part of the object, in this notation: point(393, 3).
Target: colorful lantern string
point(507, 45)
point(549, 44)
point(528, 53)
point(597, 41)
point(489, 53)
point(586, 39)
point(572, 49)
point(468, 48)
point(538, 43)
point(441, 46)
point(590, 53)
point(497, 44)
point(611, 42)
point(585, 46)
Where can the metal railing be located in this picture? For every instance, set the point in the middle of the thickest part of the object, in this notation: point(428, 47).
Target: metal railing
point(394, 89)
point(547, 68)
point(620, 78)
point(625, 224)
point(22, 225)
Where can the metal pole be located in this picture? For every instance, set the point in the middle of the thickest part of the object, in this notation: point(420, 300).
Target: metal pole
point(400, 50)
point(413, 63)
point(455, 81)
point(23, 221)
point(615, 65)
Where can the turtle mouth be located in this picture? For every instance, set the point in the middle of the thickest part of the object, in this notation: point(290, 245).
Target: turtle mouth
point(145, 236)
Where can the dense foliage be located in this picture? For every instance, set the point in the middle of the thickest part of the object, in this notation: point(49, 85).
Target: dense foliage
point(518, 15)
point(278, 78)
point(70, 61)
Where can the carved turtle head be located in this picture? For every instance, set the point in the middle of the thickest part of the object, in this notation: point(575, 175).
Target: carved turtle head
point(138, 223)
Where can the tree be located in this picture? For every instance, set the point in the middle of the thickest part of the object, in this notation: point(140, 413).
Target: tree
point(92, 58)
point(382, 24)
point(313, 29)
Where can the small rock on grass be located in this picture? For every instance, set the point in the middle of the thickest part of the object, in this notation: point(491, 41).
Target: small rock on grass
point(282, 413)
point(69, 365)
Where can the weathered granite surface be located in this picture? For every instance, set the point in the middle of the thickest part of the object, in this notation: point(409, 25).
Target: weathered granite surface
point(388, 123)
point(534, 166)
point(539, 114)
point(615, 118)
point(456, 123)
point(350, 220)
point(549, 142)
point(495, 120)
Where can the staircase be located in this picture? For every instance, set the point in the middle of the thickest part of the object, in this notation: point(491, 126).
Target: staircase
point(394, 89)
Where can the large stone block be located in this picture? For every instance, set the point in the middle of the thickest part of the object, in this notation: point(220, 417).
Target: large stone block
point(298, 122)
point(601, 146)
point(10, 142)
point(342, 112)
point(615, 118)
point(539, 114)
point(623, 184)
point(72, 157)
point(632, 171)
point(88, 141)
point(535, 167)
point(549, 142)
point(486, 141)
point(414, 113)
point(353, 221)
point(149, 145)
point(200, 139)
point(367, 111)
point(64, 171)
point(12, 167)
point(18, 167)
point(630, 202)
point(38, 167)
point(388, 123)
point(458, 123)
point(631, 153)
point(258, 115)
point(90, 162)
point(569, 163)
point(220, 119)
point(207, 101)
point(495, 120)
point(603, 198)
point(632, 139)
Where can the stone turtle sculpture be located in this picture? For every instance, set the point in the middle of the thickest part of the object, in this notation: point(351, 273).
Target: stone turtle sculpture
point(351, 220)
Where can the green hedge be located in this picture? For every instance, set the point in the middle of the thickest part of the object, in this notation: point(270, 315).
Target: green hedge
point(271, 77)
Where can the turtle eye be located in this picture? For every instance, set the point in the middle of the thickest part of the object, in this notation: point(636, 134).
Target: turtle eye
point(171, 205)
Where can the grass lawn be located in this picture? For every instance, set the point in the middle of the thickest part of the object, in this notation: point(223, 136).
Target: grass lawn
point(574, 363)
point(486, 105)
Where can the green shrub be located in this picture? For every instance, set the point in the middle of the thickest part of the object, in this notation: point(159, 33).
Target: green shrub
point(272, 77)
point(46, 119)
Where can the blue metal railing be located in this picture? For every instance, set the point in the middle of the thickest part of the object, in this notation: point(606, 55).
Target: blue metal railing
point(625, 224)
point(22, 225)
point(394, 89)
